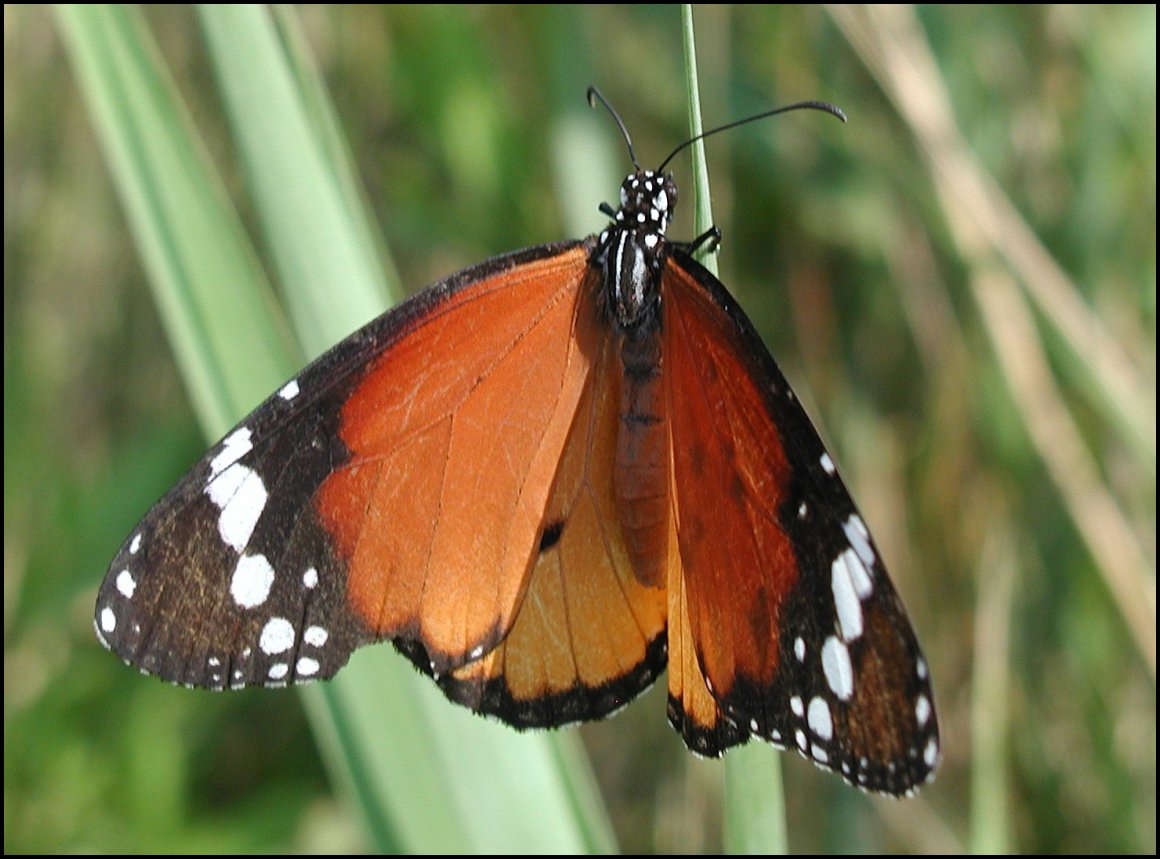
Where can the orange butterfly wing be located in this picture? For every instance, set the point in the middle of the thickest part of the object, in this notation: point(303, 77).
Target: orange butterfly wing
point(455, 435)
point(784, 602)
point(589, 635)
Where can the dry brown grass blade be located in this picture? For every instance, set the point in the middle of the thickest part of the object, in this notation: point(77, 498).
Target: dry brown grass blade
point(1002, 253)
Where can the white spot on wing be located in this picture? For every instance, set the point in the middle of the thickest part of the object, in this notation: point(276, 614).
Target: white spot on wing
point(799, 648)
point(795, 704)
point(930, 753)
point(310, 578)
point(859, 537)
point(307, 667)
point(108, 620)
point(819, 719)
point(126, 584)
point(136, 544)
point(922, 710)
point(842, 577)
point(236, 445)
point(278, 671)
point(315, 636)
point(827, 463)
point(251, 582)
point(837, 668)
point(289, 390)
point(241, 495)
point(277, 636)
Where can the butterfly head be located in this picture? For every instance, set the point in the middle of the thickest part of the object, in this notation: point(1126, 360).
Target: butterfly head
point(647, 201)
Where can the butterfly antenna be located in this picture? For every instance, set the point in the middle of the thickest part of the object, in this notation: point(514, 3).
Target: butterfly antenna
point(594, 95)
point(801, 105)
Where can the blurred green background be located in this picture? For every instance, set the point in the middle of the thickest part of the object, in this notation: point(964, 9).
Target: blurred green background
point(960, 282)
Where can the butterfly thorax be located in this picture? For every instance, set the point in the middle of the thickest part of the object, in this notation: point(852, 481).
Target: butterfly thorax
point(632, 248)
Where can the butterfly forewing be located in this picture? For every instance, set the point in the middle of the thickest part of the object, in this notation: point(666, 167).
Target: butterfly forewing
point(454, 440)
point(230, 580)
point(796, 626)
point(261, 565)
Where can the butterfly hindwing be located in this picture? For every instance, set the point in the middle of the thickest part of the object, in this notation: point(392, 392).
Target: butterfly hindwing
point(588, 635)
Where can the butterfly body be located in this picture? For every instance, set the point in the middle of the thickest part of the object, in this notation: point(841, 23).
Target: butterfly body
point(545, 478)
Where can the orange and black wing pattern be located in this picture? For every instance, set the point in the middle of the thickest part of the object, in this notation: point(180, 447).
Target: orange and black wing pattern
point(442, 479)
point(796, 631)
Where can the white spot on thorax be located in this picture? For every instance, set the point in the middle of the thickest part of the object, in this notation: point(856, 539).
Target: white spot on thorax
point(251, 582)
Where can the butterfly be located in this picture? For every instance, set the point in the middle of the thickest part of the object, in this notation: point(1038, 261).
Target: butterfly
point(545, 479)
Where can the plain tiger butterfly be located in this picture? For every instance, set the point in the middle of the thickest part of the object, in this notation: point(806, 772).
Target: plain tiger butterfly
point(545, 478)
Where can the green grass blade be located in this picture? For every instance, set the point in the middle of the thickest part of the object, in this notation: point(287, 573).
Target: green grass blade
point(315, 232)
point(213, 295)
point(754, 801)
